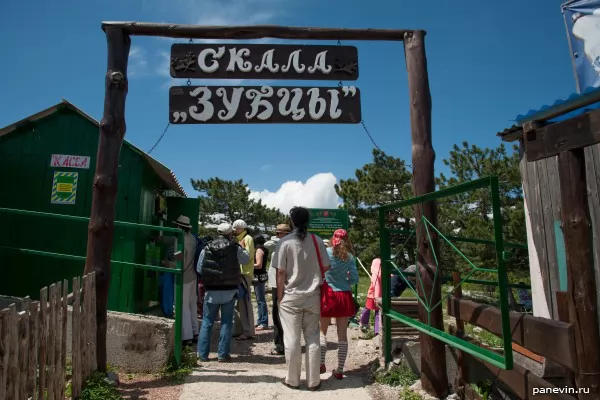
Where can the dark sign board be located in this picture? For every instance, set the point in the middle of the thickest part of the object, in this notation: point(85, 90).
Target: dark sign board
point(264, 61)
point(263, 104)
point(323, 222)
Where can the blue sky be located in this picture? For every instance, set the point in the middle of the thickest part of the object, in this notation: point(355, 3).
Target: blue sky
point(488, 62)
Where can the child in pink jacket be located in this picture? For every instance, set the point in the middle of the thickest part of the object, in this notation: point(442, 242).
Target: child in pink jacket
point(373, 293)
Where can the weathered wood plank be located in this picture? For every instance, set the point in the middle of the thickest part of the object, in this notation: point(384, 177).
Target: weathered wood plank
point(33, 348)
point(51, 344)
point(549, 338)
point(85, 327)
point(592, 166)
point(534, 206)
point(23, 353)
point(5, 330)
point(62, 308)
point(575, 133)
point(253, 31)
point(548, 229)
point(57, 340)
point(562, 309)
point(76, 340)
point(582, 295)
point(43, 342)
point(94, 325)
point(522, 382)
point(12, 386)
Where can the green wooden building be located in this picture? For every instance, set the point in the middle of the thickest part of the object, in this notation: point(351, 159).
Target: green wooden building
point(47, 164)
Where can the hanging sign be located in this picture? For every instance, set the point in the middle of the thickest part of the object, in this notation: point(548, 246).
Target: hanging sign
point(263, 104)
point(324, 222)
point(64, 187)
point(66, 161)
point(264, 61)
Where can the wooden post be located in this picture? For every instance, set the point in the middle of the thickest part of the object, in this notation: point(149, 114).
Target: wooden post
point(433, 352)
point(102, 216)
point(583, 310)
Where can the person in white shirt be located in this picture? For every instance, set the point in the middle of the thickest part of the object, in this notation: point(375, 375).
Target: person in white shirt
point(281, 231)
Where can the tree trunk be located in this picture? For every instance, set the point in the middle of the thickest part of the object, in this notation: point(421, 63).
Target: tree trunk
point(102, 217)
point(433, 352)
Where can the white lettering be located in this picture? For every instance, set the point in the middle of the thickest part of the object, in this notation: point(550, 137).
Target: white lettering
point(259, 99)
point(267, 62)
point(320, 64)
point(237, 58)
point(207, 108)
point(231, 106)
point(297, 113)
point(334, 111)
point(214, 64)
point(316, 105)
point(295, 61)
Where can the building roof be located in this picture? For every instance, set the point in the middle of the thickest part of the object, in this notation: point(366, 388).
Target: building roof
point(165, 174)
point(562, 109)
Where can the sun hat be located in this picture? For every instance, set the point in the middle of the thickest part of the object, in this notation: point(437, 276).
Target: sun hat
point(183, 221)
point(283, 228)
point(224, 228)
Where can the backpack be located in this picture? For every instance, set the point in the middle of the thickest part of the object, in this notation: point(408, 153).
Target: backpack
point(200, 245)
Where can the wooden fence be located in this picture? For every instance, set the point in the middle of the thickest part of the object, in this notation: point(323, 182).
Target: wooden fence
point(534, 337)
point(33, 343)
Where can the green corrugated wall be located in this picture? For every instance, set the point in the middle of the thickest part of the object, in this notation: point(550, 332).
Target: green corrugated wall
point(25, 183)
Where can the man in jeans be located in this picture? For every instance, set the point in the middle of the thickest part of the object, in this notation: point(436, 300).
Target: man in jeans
point(219, 270)
point(281, 231)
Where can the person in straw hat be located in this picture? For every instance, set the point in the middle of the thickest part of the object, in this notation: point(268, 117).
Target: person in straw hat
point(189, 313)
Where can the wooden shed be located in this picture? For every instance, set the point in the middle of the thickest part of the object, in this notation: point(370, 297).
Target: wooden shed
point(48, 164)
point(579, 121)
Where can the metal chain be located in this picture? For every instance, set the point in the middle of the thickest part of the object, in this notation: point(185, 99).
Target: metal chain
point(189, 81)
point(339, 43)
point(160, 138)
point(340, 84)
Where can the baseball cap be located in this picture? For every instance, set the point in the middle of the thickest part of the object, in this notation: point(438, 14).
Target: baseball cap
point(224, 228)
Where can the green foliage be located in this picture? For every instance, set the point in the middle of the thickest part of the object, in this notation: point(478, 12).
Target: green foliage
point(189, 361)
point(227, 201)
point(483, 388)
point(383, 181)
point(96, 387)
point(407, 394)
point(400, 375)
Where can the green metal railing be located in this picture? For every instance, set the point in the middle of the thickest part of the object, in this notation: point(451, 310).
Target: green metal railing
point(504, 361)
point(178, 271)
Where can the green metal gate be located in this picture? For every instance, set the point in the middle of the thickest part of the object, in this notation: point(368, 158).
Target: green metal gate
point(504, 361)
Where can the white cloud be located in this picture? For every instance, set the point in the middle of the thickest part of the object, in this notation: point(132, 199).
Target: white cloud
point(138, 62)
point(317, 192)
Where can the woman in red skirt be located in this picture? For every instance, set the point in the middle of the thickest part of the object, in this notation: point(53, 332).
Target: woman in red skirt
point(336, 297)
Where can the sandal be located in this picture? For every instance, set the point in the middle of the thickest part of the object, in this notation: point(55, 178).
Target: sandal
point(322, 369)
point(241, 338)
point(288, 385)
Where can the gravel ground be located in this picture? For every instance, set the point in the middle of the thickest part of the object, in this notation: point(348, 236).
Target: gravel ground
point(255, 374)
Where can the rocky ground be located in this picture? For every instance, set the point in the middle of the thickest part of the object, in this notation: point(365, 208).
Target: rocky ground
point(256, 374)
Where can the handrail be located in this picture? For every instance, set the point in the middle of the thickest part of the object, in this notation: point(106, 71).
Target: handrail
point(463, 239)
point(178, 271)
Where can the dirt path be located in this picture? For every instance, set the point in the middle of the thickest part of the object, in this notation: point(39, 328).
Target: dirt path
point(255, 374)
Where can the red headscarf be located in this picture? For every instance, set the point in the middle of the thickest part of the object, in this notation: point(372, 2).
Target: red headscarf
point(338, 236)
